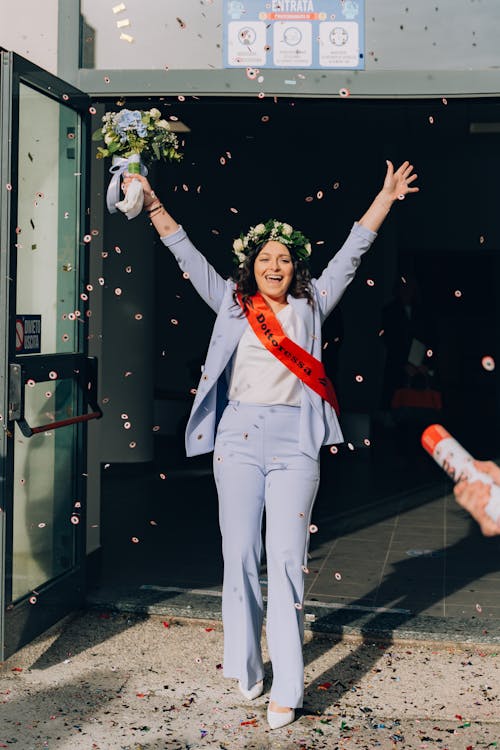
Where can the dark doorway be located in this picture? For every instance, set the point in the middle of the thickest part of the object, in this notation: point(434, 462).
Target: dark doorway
point(317, 164)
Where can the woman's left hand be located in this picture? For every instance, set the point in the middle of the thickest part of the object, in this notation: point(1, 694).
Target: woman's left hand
point(397, 183)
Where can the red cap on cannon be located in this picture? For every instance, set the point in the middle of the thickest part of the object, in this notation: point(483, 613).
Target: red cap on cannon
point(433, 435)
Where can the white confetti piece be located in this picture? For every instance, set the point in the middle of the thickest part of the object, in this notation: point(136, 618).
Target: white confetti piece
point(118, 8)
point(127, 38)
point(122, 24)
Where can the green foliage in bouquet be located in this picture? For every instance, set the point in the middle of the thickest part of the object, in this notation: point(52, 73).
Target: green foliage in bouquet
point(129, 132)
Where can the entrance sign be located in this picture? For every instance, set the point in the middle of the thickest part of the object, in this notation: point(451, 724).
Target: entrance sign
point(28, 334)
point(294, 34)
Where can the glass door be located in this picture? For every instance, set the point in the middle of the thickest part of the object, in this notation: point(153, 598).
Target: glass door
point(47, 383)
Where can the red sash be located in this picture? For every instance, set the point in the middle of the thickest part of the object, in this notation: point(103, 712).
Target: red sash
point(307, 368)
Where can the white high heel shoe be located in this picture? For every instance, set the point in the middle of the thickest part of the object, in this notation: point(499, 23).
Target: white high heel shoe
point(278, 719)
point(253, 692)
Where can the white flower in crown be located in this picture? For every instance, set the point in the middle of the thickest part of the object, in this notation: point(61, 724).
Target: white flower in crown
point(287, 230)
point(238, 246)
point(259, 229)
point(308, 248)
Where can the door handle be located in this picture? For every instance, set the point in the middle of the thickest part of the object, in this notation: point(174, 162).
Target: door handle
point(16, 402)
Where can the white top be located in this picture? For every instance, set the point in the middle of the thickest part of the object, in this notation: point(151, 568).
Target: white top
point(258, 377)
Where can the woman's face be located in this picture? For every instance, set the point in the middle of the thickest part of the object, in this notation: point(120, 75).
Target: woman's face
point(274, 270)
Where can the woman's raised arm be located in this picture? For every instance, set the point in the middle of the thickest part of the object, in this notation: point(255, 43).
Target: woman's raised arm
point(208, 283)
point(160, 218)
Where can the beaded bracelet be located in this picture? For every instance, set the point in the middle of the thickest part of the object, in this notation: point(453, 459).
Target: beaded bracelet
point(149, 209)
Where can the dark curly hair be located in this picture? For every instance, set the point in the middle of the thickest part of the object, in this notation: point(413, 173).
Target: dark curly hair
point(244, 276)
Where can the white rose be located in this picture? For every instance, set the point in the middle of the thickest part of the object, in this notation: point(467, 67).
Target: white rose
point(238, 246)
point(259, 229)
point(308, 248)
point(108, 138)
point(162, 124)
point(155, 113)
point(287, 229)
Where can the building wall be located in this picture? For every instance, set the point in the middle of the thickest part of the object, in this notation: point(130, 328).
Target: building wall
point(30, 28)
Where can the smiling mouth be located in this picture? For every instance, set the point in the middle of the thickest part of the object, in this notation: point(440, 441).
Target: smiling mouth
point(273, 278)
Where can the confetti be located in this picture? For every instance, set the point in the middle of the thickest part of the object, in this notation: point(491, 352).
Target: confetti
point(121, 24)
point(344, 92)
point(53, 375)
point(118, 8)
point(313, 528)
point(334, 449)
point(370, 282)
point(458, 293)
point(118, 291)
point(127, 38)
point(359, 378)
point(338, 576)
point(488, 363)
point(135, 540)
point(75, 520)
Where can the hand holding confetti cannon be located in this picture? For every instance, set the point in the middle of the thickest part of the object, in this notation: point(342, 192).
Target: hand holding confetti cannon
point(478, 482)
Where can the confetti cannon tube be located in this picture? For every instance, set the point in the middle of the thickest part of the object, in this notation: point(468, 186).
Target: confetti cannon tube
point(458, 464)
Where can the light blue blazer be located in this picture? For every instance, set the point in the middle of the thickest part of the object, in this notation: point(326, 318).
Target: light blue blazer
point(318, 422)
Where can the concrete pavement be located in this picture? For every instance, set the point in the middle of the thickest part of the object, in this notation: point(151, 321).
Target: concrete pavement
point(106, 681)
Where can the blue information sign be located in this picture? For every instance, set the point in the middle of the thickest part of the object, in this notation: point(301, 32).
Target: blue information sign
point(326, 34)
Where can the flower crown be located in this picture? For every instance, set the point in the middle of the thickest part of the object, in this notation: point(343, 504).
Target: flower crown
point(294, 240)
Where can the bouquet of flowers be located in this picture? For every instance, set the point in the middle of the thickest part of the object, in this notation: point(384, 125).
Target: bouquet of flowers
point(134, 138)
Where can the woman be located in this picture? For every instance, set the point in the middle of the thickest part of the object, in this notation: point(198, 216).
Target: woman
point(263, 369)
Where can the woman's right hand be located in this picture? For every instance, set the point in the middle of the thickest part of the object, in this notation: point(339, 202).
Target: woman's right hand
point(149, 194)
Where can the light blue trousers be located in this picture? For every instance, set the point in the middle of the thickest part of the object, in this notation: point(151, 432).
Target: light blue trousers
point(257, 466)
